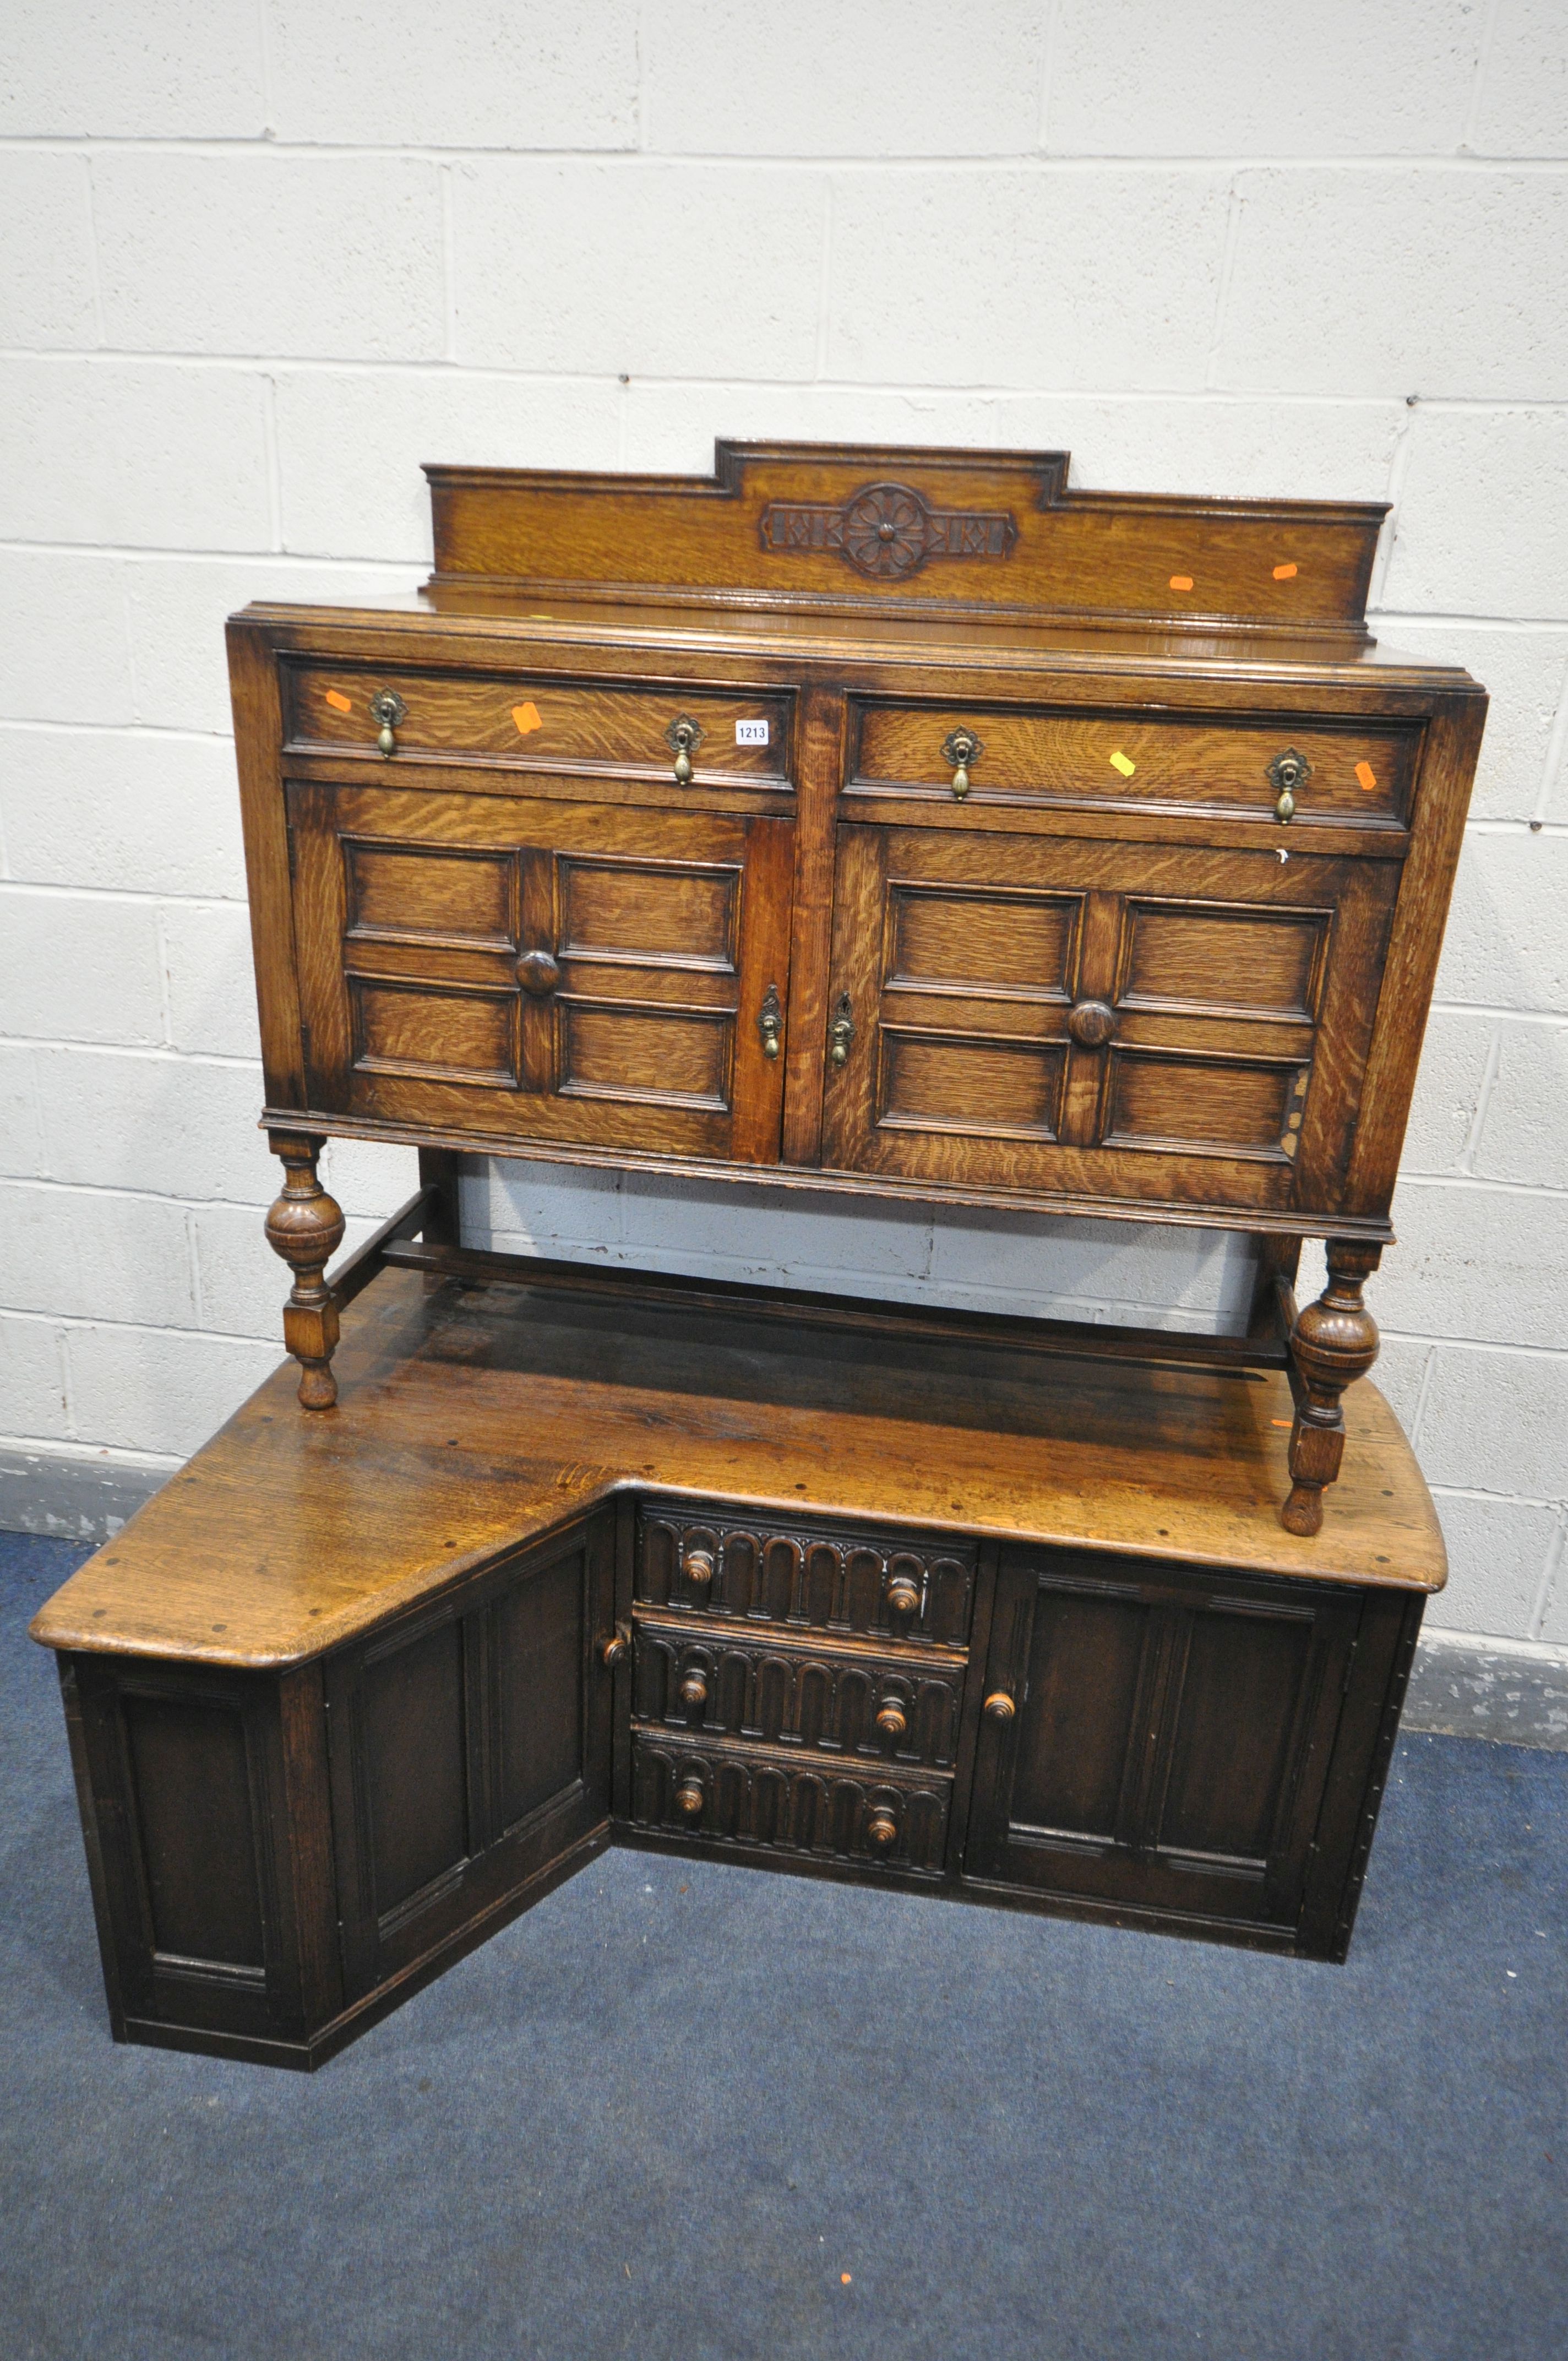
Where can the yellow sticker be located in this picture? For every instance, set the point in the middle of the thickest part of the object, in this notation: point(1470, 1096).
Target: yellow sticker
point(1120, 763)
point(1285, 574)
point(1182, 581)
point(338, 702)
point(1366, 777)
point(526, 718)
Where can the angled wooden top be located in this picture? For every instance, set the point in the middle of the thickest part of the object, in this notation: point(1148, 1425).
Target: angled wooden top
point(476, 1417)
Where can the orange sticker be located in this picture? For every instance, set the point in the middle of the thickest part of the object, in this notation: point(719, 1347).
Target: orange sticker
point(526, 718)
point(1285, 574)
point(1281, 1422)
point(1182, 581)
point(338, 702)
point(1119, 763)
point(1366, 777)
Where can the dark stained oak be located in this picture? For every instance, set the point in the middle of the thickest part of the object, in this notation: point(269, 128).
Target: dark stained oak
point(354, 1689)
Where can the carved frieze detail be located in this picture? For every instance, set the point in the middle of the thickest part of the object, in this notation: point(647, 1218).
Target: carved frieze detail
point(887, 532)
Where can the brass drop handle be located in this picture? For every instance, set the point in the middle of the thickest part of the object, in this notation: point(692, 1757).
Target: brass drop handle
point(841, 1032)
point(1287, 772)
point(539, 972)
point(694, 1690)
point(998, 1707)
point(690, 1795)
point(616, 1648)
point(882, 1829)
point(683, 737)
point(388, 707)
point(1091, 1022)
point(904, 1594)
point(697, 1567)
point(770, 1023)
point(891, 1719)
point(963, 750)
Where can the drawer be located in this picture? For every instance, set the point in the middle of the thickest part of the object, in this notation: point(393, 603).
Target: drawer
point(1356, 776)
point(827, 1578)
point(541, 725)
point(746, 1799)
point(838, 1699)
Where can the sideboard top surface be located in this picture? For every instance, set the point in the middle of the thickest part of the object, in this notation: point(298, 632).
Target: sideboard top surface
point(473, 1418)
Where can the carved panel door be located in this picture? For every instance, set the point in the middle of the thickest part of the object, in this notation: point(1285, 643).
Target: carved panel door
point(1168, 1739)
point(1165, 1022)
point(578, 973)
point(470, 1751)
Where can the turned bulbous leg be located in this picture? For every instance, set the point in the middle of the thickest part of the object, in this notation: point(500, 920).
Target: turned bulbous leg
point(1334, 1342)
point(305, 1227)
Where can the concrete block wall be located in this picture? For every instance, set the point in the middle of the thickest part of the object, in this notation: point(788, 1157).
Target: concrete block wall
point(263, 256)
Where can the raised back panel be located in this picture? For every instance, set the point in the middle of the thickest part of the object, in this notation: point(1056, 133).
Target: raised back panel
point(682, 915)
point(1207, 1106)
point(651, 1056)
point(447, 1035)
point(846, 526)
point(1000, 945)
point(1010, 1089)
point(1232, 963)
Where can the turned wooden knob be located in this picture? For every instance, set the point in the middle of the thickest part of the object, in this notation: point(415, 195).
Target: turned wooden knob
point(882, 1829)
point(892, 1720)
point(539, 972)
point(697, 1567)
point(616, 1648)
point(999, 1706)
point(1091, 1023)
point(694, 1691)
point(689, 1795)
point(904, 1594)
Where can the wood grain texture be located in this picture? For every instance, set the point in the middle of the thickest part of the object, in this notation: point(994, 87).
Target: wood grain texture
point(1283, 564)
point(473, 1419)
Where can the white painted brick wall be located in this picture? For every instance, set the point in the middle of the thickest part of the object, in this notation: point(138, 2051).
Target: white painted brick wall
point(263, 256)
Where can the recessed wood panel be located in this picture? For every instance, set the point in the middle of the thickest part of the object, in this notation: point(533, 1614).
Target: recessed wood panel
point(537, 1636)
point(1085, 1659)
point(1234, 961)
point(413, 1764)
point(1001, 944)
point(649, 910)
point(1227, 1768)
point(949, 1083)
point(466, 897)
point(460, 1036)
point(676, 1058)
point(191, 1786)
point(1227, 1109)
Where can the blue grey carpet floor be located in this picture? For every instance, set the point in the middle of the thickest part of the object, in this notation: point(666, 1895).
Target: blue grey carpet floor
point(694, 2111)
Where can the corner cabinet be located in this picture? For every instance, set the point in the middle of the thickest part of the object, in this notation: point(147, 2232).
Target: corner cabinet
point(890, 821)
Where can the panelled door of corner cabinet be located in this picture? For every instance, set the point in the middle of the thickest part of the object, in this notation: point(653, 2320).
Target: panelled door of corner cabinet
point(596, 975)
point(469, 1749)
point(1171, 1023)
point(1156, 1741)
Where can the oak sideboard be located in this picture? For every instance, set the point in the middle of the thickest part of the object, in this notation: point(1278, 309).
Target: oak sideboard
point(888, 822)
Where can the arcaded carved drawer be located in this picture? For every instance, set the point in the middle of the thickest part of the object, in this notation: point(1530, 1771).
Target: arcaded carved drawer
point(540, 725)
point(839, 1698)
point(823, 1577)
point(1055, 760)
point(746, 1799)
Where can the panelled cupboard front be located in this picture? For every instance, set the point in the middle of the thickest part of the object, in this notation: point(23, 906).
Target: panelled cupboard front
point(278, 1858)
point(848, 817)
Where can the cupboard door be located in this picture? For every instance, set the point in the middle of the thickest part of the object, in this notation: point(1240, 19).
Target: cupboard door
point(1066, 1015)
point(519, 968)
point(470, 1752)
point(1169, 1737)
